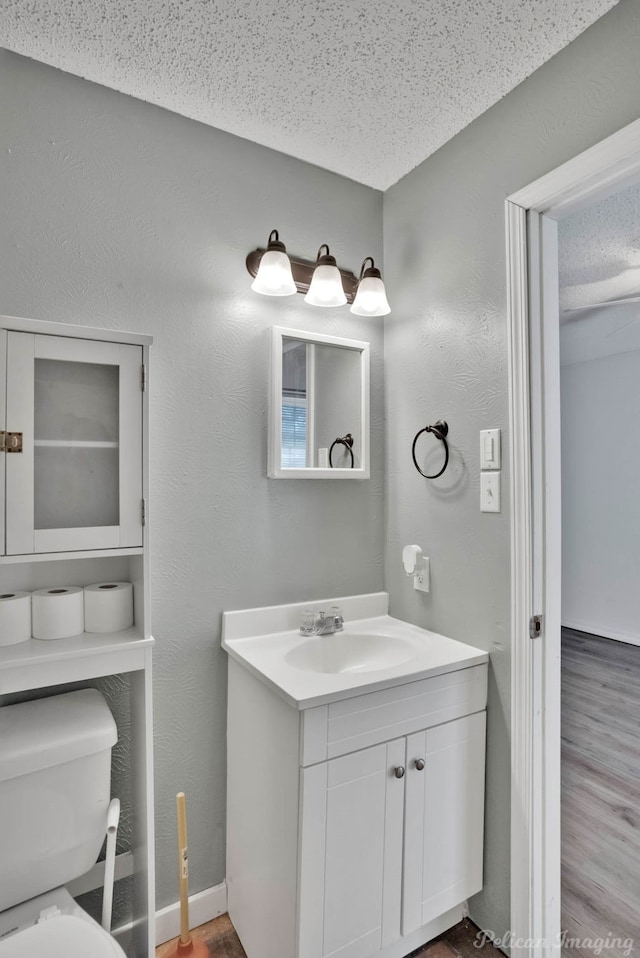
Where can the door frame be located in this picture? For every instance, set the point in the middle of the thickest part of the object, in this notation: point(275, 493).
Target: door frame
point(531, 216)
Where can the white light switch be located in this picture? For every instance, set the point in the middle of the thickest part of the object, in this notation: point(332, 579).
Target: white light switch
point(490, 492)
point(490, 451)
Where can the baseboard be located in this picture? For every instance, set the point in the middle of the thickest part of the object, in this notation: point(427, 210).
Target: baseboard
point(601, 632)
point(203, 906)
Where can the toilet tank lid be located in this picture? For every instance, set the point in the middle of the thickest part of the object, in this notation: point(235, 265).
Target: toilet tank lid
point(45, 732)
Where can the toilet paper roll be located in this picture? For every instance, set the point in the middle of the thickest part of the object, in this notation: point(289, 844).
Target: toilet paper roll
point(15, 617)
point(108, 607)
point(57, 613)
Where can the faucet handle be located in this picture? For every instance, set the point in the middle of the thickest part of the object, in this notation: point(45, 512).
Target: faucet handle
point(308, 624)
point(337, 616)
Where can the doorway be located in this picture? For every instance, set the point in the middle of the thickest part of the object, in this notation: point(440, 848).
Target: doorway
point(532, 217)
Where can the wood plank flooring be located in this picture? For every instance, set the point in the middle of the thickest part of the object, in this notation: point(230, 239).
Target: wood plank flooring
point(601, 792)
point(458, 942)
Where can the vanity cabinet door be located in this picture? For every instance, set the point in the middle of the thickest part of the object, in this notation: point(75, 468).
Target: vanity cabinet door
point(77, 484)
point(351, 853)
point(443, 838)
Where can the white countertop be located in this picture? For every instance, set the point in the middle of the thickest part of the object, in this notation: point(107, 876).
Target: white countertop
point(269, 655)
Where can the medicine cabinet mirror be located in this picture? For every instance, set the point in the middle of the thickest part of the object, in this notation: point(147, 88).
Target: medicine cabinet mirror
point(319, 413)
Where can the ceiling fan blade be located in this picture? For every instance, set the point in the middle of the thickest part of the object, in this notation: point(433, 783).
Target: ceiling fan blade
point(608, 302)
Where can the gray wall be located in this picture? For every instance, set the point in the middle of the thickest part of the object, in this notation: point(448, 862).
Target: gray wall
point(446, 357)
point(600, 505)
point(118, 214)
point(338, 406)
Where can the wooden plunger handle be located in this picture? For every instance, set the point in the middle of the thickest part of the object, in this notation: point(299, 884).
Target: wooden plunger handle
point(183, 868)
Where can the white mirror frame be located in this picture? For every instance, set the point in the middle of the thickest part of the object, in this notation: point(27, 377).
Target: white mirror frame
point(274, 468)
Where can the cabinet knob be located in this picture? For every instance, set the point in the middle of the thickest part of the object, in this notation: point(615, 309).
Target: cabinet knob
point(399, 771)
point(419, 764)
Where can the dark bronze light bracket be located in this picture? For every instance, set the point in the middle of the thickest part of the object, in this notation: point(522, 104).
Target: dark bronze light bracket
point(302, 271)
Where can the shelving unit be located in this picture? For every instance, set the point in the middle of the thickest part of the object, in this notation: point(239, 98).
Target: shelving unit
point(87, 554)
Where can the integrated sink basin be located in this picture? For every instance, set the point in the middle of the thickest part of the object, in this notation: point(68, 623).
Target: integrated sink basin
point(374, 651)
point(350, 652)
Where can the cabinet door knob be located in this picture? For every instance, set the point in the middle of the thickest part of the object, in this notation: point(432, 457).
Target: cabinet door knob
point(419, 764)
point(399, 771)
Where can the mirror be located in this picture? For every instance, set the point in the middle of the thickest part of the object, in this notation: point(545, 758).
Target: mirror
point(319, 415)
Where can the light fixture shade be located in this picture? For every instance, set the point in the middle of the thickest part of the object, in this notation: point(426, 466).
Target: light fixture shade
point(274, 277)
point(326, 288)
point(371, 296)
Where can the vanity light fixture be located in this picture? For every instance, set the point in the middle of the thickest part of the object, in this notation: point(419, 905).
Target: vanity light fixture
point(326, 282)
point(371, 297)
point(322, 283)
point(274, 276)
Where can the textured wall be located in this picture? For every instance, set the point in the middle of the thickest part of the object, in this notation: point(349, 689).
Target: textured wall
point(446, 356)
point(118, 214)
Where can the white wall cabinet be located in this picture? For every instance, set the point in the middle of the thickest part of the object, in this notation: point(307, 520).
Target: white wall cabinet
point(369, 852)
point(76, 405)
point(73, 517)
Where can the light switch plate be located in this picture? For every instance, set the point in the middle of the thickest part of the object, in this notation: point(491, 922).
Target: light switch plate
point(490, 491)
point(490, 449)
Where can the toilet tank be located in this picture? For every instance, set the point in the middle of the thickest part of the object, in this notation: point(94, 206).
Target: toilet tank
point(55, 777)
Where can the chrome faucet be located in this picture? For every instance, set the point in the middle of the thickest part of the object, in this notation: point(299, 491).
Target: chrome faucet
point(321, 623)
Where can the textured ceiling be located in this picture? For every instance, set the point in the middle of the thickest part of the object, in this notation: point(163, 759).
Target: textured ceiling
point(366, 89)
point(599, 253)
point(599, 250)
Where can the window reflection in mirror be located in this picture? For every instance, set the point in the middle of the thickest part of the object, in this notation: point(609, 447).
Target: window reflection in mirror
point(294, 404)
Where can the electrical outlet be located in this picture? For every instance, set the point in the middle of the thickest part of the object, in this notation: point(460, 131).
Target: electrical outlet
point(421, 577)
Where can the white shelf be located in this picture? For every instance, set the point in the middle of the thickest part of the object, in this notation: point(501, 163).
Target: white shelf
point(75, 444)
point(39, 664)
point(57, 556)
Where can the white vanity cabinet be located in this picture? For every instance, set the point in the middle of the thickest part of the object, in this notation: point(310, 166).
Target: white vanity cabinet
point(389, 844)
point(355, 828)
point(73, 440)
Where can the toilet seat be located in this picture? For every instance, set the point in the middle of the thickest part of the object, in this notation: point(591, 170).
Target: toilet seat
point(65, 936)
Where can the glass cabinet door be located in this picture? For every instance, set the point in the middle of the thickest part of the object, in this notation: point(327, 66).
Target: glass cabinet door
point(77, 484)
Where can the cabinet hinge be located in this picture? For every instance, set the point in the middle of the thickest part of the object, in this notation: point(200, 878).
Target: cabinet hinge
point(10, 441)
point(144, 512)
point(143, 377)
point(535, 626)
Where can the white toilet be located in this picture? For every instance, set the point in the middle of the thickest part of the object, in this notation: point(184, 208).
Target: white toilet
point(55, 776)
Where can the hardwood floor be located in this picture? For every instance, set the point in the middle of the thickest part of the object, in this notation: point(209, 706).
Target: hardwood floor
point(458, 942)
point(601, 792)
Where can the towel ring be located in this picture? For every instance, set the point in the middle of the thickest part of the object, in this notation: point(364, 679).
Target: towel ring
point(347, 442)
point(439, 430)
